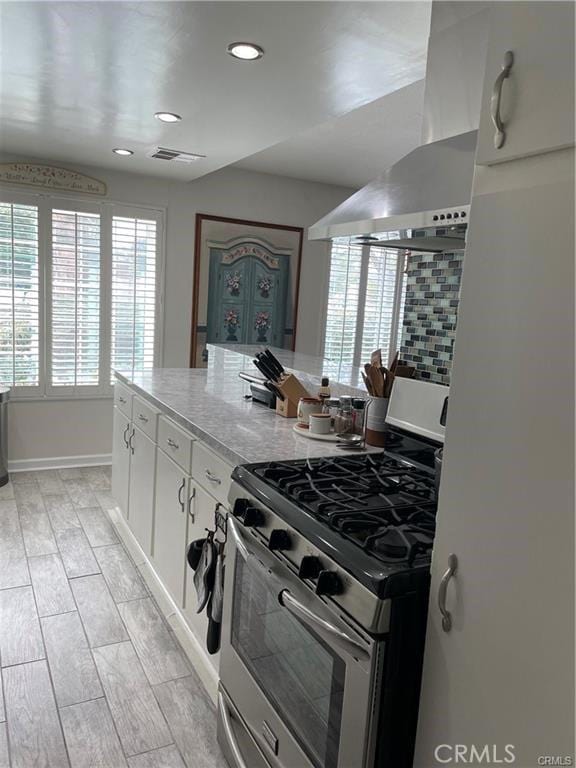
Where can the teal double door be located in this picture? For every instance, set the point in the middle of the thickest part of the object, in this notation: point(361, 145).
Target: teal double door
point(248, 288)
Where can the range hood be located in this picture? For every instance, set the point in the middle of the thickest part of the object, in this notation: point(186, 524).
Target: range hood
point(429, 189)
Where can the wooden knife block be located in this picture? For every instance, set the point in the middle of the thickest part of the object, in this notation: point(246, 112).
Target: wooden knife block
point(292, 390)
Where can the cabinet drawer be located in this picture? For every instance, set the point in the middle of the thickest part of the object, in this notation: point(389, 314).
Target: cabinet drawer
point(175, 443)
point(212, 472)
point(123, 399)
point(145, 416)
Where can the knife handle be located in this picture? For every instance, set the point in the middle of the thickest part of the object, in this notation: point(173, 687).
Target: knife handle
point(265, 367)
point(273, 363)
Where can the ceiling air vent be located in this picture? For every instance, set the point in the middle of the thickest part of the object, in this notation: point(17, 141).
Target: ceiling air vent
point(162, 153)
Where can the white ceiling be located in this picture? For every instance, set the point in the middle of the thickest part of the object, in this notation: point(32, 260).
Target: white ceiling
point(79, 78)
point(350, 150)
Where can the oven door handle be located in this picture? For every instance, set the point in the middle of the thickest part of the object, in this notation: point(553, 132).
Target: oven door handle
point(337, 636)
point(229, 733)
point(237, 536)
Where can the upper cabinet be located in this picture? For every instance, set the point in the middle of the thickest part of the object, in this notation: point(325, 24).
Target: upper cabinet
point(536, 103)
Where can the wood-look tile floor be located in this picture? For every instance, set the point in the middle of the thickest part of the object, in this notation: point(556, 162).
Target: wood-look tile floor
point(91, 675)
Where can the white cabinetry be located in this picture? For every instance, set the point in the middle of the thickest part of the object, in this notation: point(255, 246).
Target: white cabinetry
point(142, 483)
point(503, 675)
point(172, 502)
point(121, 459)
point(537, 105)
point(168, 486)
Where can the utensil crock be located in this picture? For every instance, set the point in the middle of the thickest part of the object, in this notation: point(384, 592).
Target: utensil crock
point(376, 410)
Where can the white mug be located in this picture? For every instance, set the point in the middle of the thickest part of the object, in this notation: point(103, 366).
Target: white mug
point(306, 406)
point(320, 423)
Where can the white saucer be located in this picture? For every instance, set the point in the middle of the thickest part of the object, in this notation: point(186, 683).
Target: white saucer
point(305, 432)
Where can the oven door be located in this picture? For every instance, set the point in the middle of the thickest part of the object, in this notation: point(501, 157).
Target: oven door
point(300, 678)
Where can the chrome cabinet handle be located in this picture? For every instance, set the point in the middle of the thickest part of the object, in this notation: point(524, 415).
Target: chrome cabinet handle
point(229, 733)
point(450, 571)
point(130, 442)
point(125, 433)
point(213, 478)
point(172, 443)
point(180, 501)
point(336, 635)
point(191, 514)
point(121, 399)
point(495, 101)
point(143, 418)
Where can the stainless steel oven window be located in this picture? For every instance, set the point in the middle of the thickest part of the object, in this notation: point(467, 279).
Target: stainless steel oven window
point(300, 675)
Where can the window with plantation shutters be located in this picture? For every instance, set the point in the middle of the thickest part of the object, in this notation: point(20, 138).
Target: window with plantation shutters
point(380, 327)
point(343, 302)
point(19, 296)
point(79, 294)
point(75, 272)
point(133, 293)
point(365, 303)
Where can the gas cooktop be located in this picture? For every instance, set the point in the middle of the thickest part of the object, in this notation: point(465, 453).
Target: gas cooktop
point(384, 505)
point(374, 513)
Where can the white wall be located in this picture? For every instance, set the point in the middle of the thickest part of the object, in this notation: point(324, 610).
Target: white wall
point(48, 429)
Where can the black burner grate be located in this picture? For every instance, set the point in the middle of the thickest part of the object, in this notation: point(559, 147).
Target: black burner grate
point(384, 505)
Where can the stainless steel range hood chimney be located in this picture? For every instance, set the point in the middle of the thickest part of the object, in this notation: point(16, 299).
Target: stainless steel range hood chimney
point(431, 186)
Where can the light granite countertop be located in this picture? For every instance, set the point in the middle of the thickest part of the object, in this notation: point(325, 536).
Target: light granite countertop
point(344, 379)
point(210, 403)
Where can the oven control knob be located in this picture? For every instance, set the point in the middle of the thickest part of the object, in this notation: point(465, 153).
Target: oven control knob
point(310, 567)
point(250, 516)
point(329, 583)
point(279, 539)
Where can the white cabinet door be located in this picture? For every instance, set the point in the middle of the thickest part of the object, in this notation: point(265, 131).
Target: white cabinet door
point(121, 460)
point(504, 673)
point(170, 525)
point(142, 482)
point(537, 104)
point(203, 509)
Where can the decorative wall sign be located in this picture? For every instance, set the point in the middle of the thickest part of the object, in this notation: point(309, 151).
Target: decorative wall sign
point(246, 279)
point(50, 177)
point(246, 249)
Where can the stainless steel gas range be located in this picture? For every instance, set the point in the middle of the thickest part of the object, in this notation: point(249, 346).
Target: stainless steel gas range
point(326, 591)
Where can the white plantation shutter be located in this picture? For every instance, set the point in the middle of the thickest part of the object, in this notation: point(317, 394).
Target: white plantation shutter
point(79, 294)
point(134, 295)
point(343, 298)
point(379, 308)
point(75, 299)
point(365, 304)
point(19, 296)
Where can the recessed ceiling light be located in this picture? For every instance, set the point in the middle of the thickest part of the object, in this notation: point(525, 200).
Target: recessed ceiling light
point(245, 51)
point(123, 152)
point(168, 117)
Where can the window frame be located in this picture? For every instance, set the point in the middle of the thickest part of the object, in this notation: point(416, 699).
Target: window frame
point(396, 325)
point(45, 203)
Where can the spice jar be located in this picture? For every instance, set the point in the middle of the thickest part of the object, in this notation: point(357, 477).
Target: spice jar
point(358, 412)
point(331, 405)
point(344, 421)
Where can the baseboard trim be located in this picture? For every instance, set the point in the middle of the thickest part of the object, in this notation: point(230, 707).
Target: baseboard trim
point(59, 462)
point(190, 643)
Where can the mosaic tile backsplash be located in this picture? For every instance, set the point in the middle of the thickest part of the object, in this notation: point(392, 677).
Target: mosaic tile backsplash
point(430, 313)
